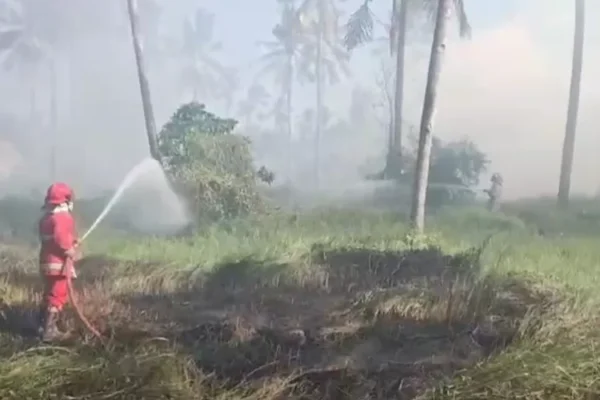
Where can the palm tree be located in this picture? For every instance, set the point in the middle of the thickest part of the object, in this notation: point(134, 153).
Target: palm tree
point(421, 178)
point(568, 149)
point(203, 73)
point(32, 35)
point(360, 28)
point(251, 107)
point(29, 39)
point(325, 52)
point(143, 79)
point(280, 61)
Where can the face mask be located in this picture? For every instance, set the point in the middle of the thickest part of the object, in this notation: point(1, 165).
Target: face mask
point(70, 206)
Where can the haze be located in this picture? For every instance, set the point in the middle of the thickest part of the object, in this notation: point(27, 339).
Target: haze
point(506, 89)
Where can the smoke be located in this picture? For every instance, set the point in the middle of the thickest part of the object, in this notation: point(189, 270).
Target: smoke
point(510, 95)
point(506, 89)
point(151, 205)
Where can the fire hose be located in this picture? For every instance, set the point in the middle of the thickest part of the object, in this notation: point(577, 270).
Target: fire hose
point(73, 298)
point(79, 312)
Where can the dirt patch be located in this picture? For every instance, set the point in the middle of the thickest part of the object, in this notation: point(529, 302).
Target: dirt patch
point(357, 324)
point(384, 325)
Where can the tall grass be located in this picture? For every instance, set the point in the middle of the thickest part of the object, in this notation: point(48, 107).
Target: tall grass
point(559, 361)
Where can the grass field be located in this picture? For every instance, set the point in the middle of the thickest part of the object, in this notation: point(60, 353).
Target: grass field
point(326, 305)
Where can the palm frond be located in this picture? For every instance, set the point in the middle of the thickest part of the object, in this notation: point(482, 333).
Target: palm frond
point(273, 67)
point(207, 63)
point(463, 22)
point(340, 57)
point(278, 54)
point(430, 7)
point(359, 28)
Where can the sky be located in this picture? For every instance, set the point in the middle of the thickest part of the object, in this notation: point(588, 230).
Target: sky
point(506, 89)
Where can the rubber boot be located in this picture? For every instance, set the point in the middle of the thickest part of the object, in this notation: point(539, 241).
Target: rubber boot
point(50, 332)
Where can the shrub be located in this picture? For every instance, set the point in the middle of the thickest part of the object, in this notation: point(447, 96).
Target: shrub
point(211, 167)
point(455, 169)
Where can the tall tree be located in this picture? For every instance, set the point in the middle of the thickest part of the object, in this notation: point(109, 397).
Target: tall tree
point(252, 107)
point(568, 149)
point(202, 72)
point(143, 79)
point(30, 37)
point(360, 28)
point(324, 58)
point(421, 178)
point(281, 61)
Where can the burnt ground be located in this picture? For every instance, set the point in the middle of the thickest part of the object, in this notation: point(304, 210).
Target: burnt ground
point(347, 324)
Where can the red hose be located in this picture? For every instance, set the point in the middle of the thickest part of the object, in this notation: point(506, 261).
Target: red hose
point(78, 311)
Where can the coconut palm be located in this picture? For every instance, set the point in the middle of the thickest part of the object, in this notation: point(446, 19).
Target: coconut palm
point(202, 72)
point(324, 57)
point(573, 108)
point(421, 178)
point(251, 107)
point(359, 30)
point(281, 62)
point(143, 79)
point(30, 36)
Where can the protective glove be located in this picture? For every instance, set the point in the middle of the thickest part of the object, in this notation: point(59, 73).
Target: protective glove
point(71, 253)
point(74, 253)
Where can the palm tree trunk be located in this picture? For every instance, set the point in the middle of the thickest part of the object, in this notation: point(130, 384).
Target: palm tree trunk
point(568, 149)
point(288, 98)
point(144, 85)
point(394, 159)
point(32, 103)
point(319, 94)
point(427, 119)
point(53, 121)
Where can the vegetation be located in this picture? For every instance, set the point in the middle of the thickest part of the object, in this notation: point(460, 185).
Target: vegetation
point(149, 120)
point(329, 304)
point(359, 30)
point(454, 175)
point(211, 167)
point(202, 72)
point(261, 303)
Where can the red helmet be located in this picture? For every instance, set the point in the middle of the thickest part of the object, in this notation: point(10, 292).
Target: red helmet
point(58, 193)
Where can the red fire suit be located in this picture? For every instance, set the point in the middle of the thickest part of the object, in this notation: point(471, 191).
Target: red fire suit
point(57, 234)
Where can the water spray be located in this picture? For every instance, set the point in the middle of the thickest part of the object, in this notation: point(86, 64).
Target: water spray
point(141, 168)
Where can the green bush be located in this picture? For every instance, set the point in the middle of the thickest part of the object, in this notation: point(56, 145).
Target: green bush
point(208, 165)
point(454, 172)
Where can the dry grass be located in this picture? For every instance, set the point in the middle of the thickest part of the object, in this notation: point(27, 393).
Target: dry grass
point(342, 307)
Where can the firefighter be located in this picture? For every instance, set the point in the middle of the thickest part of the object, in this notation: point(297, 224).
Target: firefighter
point(57, 256)
point(494, 192)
